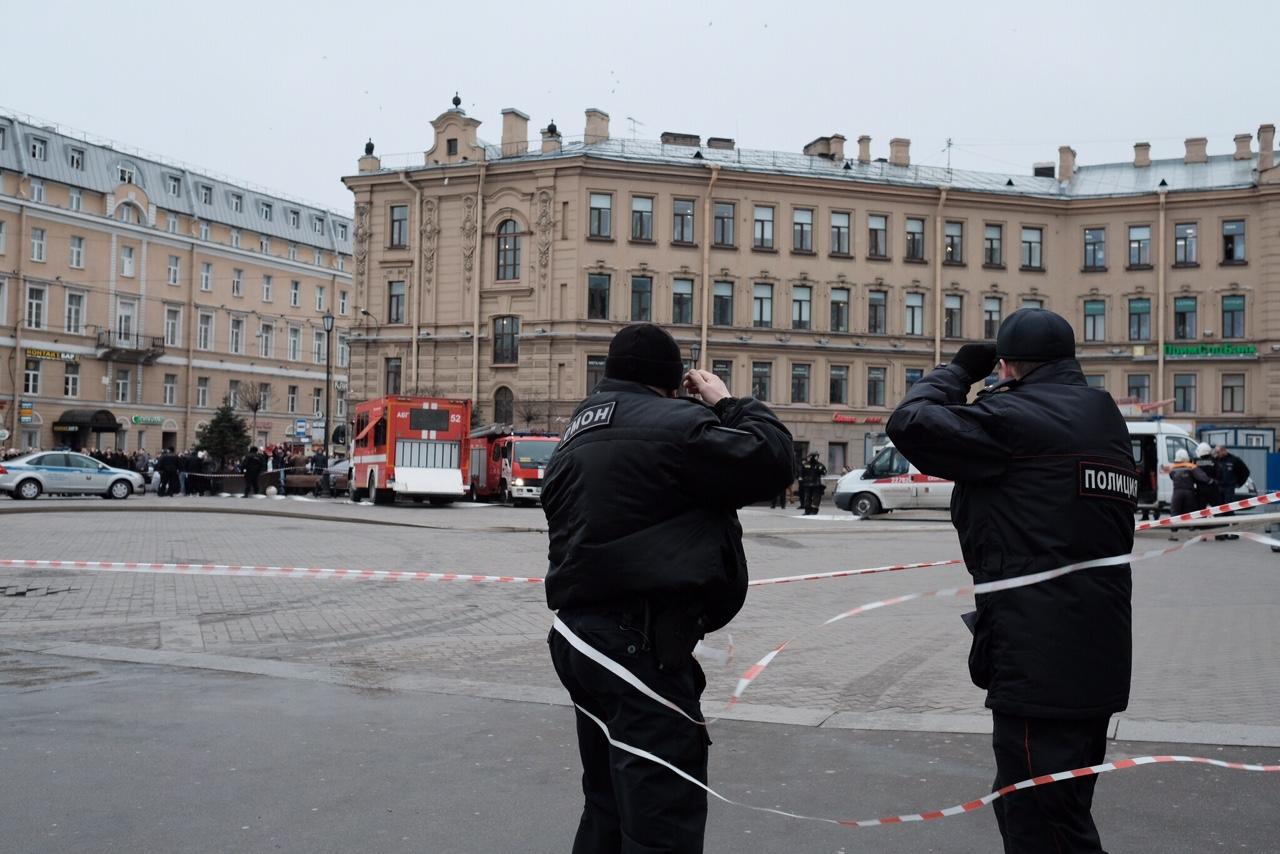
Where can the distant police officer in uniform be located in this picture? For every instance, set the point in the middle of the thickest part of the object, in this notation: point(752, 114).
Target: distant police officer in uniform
point(1044, 477)
point(645, 557)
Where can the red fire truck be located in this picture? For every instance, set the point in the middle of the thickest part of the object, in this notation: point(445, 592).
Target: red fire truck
point(410, 446)
point(509, 466)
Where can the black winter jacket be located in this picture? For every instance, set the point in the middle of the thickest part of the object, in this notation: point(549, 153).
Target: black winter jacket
point(1044, 478)
point(641, 493)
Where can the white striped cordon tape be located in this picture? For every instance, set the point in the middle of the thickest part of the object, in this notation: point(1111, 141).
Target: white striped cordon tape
point(1231, 507)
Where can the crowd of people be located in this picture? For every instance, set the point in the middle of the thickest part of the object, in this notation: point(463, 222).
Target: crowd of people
point(1211, 479)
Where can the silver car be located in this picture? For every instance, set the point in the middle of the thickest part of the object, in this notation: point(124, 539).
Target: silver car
point(66, 473)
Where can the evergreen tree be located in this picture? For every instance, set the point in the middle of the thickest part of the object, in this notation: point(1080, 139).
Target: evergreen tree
point(224, 436)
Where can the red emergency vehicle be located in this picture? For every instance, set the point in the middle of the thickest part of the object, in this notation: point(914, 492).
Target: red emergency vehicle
point(411, 446)
point(509, 466)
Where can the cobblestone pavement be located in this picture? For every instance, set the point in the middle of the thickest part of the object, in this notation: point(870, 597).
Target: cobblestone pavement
point(1205, 619)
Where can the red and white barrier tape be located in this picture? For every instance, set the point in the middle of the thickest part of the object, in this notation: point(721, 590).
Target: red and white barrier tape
point(1231, 507)
point(946, 812)
point(268, 571)
point(843, 573)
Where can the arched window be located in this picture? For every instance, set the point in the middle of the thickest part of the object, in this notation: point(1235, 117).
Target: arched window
point(506, 340)
point(508, 251)
point(127, 212)
point(504, 406)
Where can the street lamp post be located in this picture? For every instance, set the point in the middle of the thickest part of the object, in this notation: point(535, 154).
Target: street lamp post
point(328, 374)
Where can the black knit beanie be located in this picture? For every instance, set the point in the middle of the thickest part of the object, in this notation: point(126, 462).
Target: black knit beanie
point(645, 353)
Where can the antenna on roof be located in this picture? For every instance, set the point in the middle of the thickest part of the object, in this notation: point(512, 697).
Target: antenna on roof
point(948, 151)
point(634, 122)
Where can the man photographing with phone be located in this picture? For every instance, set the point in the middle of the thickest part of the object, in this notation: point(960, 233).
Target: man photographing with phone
point(1044, 478)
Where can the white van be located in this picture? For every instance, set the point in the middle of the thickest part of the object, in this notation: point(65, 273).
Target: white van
point(889, 482)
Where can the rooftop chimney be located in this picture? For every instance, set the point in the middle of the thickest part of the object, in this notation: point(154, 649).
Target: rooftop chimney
point(673, 138)
point(515, 133)
point(1243, 151)
point(864, 149)
point(722, 142)
point(900, 151)
point(1266, 147)
point(831, 147)
point(1142, 154)
point(550, 138)
point(1066, 163)
point(1196, 146)
point(597, 126)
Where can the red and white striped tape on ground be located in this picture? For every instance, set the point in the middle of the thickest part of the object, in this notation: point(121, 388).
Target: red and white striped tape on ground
point(268, 571)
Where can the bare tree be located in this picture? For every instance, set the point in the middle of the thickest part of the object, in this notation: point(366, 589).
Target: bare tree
point(254, 397)
point(531, 409)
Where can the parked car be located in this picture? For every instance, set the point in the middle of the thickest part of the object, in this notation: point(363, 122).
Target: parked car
point(66, 473)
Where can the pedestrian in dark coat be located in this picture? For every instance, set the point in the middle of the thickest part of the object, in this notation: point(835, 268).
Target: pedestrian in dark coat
point(811, 474)
point(168, 466)
point(1044, 477)
point(1191, 485)
point(252, 467)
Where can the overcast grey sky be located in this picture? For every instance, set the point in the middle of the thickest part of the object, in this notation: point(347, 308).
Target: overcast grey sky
point(284, 94)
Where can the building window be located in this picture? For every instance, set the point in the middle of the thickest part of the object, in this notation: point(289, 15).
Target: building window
point(124, 378)
point(317, 402)
point(1233, 242)
point(915, 239)
point(991, 316)
point(800, 383)
point(1139, 319)
point(642, 218)
point(75, 313)
point(295, 293)
point(172, 326)
point(344, 302)
point(682, 221)
point(840, 233)
point(993, 245)
point(763, 237)
point(171, 222)
point(293, 252)
point(914, 314)
point(204, 331)
point(1184, 392)
point(77, 252)
point(37, 244)
point(504, 406)
point(1032, 302)
point(724, 219)
point(268, 288)
point(317, 225)
point(174, 184)
point(1184, 318)
point(264, 245)
point(1095, 320)
point(723, 368)
point(1139, 246)
point(170, 389)
point(875, 386)
point(595, 372)
point(237, 335)
point(1032, 247)
point(506, 340)
point(1098, 381)
point(801, 307)
point(36, 297)
point(953, 243)
point(913, 376)
point(127, 213)
point(31, 377)
point(508, 251)
point(266, 340)
point(392, 373)
point(320, 298)
point(839, 390)
point(75, 159)
point(291, 399)
point(2, 237)
point(877, 236)
point(1140, 387)
point(761, 380)
point(265, 211)
point(682, 301)
point(953, 316)
point(319, 346)
point(317, 257)
point(342, 231)
point(1233, 316)
point(237, 281)
point(37, 190)
point(126, 261)
point(202, 392)
point(234, 235)
point(839, 309)
point(206, 194)
point(802, 230)
point(39, 148)
point(173, 270)
point(126, 174)
point(1233, 392)
point(295, 343)
point(294, 218)
point(1095, 248)
point(762, 311)
point(601, 220)
point(395, 302)
point(877, 303)
point(598, 296)
point(399, 226)
point(722, 304)
point(641, 298)
point(1184, 243)
point(71, 380)
point(75, 199)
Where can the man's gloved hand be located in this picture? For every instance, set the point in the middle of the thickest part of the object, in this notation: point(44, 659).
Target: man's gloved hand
point(976, 360)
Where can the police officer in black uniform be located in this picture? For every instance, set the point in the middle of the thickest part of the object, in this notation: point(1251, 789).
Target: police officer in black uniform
point(1044, 477)
point(811, 474)
point(645, 557)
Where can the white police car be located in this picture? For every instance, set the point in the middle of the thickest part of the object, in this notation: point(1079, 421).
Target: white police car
point(66, 473)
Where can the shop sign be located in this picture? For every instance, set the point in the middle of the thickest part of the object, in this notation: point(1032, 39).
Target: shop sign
point(26, 412)
point(1209, 350)
point(52, 355)
point(840, 418)
point(150, 420)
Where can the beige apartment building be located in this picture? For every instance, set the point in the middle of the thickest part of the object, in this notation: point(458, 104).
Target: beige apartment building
point(137, 294)
point(824, 281)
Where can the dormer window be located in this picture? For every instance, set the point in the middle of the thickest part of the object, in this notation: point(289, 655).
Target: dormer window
point(75, 159)
point(317, 225)
point(237, 202)
point(451, 147)
point(265, 210)
point(126, 174)
point(39, 148)
point(342, 231)
point(206, 194)
point(174, 184)
point(294, 218)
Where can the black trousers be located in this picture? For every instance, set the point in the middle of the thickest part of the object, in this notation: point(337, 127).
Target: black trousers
point(634, 806)
point(250, 483)
point(1052, 819)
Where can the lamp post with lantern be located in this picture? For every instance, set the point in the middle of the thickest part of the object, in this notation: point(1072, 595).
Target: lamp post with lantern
point(328, 374)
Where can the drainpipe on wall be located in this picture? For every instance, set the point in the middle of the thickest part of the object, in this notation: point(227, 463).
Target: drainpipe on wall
point(706, 265)
point(475, 310)
point(937, 276)
point(187, 439)
point(20, 319)
point(1160, 297)
point(417, 273)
